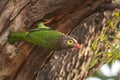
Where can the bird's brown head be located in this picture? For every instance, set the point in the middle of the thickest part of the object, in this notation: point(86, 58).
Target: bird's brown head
point(67, 42)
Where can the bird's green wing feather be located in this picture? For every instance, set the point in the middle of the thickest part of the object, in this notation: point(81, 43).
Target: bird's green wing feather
point(41, 26)
point(34, 38)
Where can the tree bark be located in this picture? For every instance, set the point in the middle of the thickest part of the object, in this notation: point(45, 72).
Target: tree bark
point(23, 60)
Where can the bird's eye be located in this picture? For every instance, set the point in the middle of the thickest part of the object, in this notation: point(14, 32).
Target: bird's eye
point(70, 42)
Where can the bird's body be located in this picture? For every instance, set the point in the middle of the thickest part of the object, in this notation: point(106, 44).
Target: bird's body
point(42, 36)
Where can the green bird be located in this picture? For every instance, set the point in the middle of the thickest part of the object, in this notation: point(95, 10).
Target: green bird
point(45, 37)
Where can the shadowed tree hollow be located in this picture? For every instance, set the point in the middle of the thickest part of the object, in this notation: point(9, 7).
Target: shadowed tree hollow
point(81, 19)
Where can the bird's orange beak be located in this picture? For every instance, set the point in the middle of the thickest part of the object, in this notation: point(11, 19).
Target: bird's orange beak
point(77, 46)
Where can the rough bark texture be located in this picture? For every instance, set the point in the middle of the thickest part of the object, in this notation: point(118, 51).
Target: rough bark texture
point(67, 65)
point(23, 60)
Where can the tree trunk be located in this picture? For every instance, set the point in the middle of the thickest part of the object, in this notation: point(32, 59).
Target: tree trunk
point(25, 61)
